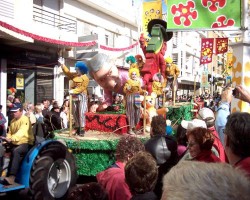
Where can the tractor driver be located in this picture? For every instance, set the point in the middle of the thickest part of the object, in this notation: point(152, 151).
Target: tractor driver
point(18, 140)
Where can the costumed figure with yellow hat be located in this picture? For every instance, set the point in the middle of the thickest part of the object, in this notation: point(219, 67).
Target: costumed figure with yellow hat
point(172, 72)
point(158, 85)
point(132, 89)
point(78, 92)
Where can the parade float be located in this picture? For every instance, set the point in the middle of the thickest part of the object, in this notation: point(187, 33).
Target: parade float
point(95, 151)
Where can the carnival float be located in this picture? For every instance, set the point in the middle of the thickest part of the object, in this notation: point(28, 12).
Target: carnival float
point(131, 98)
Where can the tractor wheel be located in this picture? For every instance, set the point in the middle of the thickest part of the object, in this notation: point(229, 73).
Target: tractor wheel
point(53, 173)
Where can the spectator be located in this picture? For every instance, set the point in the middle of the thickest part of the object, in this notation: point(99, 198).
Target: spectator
point(163, 148)
point(237, 140)
point(30, 113)
point(46, 111)
point(200, 142)
point(222, 112)
point(38, 113)
point(199, 180)
point(113, 178)
point(207, 115)
point(55, 119)
point(63, 114)
point(20, 137)
point(88, 191)
point(52, 101)
point(2, 123)
point(141, 174)
point(181, 140)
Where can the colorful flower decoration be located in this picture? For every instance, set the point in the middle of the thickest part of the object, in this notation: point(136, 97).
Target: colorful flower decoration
point(213, 4)
point(182, 11)
point(222, 22)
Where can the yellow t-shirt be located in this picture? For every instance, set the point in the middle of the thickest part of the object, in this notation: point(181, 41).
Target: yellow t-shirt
point(20, 131)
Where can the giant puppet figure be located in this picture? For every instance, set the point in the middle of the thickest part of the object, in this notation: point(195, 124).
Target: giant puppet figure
point(154, 51)
point(78, 92)
point(104, 71)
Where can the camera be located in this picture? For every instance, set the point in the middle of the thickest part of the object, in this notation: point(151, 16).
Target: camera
point(235, 92)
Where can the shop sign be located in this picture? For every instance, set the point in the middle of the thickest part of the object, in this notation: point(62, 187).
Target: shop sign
point(19, 81)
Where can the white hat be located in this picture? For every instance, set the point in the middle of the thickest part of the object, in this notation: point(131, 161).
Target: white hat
point(206, 115)
point(189, 125)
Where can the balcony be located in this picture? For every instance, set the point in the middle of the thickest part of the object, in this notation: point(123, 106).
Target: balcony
point(57, 21)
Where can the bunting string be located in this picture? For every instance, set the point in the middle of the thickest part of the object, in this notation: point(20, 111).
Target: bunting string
point(60, 42)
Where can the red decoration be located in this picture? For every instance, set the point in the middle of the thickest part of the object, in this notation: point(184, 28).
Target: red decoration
point(221, 45)
point(213, 5)
point(183, 13)
point(60, 42)
point(223, 22)
point(116, 123)
point(118, 49)
point(206, 50)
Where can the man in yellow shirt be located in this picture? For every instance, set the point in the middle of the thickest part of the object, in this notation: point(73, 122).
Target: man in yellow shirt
point(19, 138)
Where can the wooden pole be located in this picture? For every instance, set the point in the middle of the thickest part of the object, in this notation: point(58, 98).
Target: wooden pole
point(194, 86)
point(70, 115)
point(173, 92)
point(144, 114)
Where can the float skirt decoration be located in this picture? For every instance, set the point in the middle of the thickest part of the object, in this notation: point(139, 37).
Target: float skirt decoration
point(116, 123)
point(92, 154)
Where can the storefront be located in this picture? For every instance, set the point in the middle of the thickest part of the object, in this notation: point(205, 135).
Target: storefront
point(31, 72)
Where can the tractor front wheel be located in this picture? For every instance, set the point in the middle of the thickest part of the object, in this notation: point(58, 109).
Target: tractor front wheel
point(53, 172)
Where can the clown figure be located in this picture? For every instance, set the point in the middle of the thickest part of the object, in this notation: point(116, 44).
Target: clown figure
point(157, 88)
point(78, 92)
point(132, 89)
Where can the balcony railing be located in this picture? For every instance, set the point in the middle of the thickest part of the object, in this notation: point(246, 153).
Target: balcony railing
point(45, 17)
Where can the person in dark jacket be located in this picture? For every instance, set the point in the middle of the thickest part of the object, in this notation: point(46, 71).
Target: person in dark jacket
point(163, 148)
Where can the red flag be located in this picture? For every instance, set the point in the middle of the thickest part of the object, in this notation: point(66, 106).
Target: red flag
point(206, 50)
point(221, 45)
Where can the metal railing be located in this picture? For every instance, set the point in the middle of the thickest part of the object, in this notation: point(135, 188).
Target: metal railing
point(45, 17)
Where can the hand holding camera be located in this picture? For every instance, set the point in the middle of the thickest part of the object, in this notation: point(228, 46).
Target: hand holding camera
point(241, 93)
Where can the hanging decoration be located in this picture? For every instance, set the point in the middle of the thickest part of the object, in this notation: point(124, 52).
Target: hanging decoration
point(206, 50)
point(204, 14)
point(118, 49)
point(151, 10)
point(221, 45)
point(60, 42)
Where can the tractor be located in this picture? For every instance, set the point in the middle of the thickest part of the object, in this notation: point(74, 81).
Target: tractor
point(47, 171)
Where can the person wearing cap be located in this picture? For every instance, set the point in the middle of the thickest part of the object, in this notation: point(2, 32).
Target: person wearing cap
point(237, 140)
point(78, 92)
point(19, 140)
point(222, 112)
point(200, 141)
point(207, 115)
